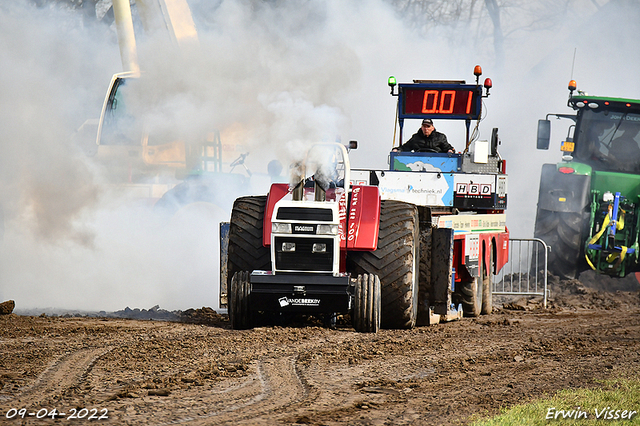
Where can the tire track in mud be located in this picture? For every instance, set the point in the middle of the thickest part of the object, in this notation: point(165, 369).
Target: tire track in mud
point(62, 374)
point(275, 386)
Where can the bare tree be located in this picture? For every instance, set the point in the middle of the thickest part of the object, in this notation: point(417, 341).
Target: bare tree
point(503, 22)
point(498, 37)
point(422, 14)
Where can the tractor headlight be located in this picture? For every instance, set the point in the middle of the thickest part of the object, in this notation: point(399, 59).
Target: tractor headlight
point(324, 229)
point(289, 247)
point(319, 248)
point(280, 228)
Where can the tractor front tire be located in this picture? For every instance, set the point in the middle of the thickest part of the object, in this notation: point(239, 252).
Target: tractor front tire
point(368, 304)
point(240, 315)
point(395, 262)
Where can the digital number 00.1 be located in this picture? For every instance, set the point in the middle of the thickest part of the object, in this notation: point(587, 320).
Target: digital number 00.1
point(447, 101)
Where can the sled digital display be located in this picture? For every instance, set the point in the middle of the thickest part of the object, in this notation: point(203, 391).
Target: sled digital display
point(441, 101)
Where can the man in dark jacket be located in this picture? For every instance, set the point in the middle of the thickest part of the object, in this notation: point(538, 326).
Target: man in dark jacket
point(427, 139)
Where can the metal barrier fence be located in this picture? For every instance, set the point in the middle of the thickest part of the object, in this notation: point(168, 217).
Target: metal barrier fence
point(515, 279)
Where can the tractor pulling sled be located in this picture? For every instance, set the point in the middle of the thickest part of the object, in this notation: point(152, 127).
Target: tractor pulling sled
point(395, 248)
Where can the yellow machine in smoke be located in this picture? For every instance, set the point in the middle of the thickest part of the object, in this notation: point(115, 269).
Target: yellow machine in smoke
point(135, 147)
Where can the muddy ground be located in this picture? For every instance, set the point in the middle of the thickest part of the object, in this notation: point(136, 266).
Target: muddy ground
point(191, 368)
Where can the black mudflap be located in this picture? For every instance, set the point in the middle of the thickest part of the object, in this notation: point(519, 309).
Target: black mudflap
point(424, 280)
point(436, 273)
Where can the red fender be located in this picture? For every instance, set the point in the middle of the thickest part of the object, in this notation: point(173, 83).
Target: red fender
point(502, 249)
point(364, 218)
point(276, 193)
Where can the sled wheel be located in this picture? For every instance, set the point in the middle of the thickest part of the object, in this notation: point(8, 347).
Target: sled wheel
point(471, 293)
point(487, 286)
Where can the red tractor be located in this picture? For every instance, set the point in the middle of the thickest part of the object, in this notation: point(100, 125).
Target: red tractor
point(287, 251)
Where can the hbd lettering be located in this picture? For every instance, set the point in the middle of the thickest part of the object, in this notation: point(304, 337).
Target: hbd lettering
point(603, 414)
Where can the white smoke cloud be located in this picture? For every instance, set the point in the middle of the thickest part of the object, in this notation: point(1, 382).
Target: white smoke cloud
point(271, 78)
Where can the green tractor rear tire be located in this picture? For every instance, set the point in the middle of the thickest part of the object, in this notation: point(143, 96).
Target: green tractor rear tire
point(564, 233)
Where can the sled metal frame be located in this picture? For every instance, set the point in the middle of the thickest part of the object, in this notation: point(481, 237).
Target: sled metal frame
point(514, 279)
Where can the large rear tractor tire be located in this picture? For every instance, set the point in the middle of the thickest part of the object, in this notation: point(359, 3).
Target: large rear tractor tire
point(246, 252)
point(564, 233)
point(487, 286)
point(240, 315)
point(368, 304)
point(395, 262)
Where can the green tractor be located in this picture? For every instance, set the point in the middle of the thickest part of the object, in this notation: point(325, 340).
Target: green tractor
point(588, 204)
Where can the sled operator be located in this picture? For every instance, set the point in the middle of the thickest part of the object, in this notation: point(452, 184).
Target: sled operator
point(426, 139)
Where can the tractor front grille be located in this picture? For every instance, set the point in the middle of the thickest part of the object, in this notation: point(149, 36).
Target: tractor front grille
point(311, 214)
point(303, 258)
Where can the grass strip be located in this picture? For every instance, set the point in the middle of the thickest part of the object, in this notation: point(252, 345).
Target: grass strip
point(616, 402)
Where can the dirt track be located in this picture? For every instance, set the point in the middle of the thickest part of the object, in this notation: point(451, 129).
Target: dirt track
point(158, 372)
